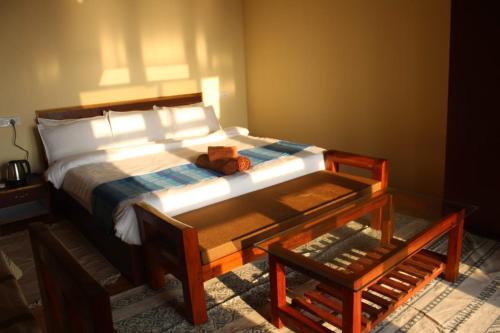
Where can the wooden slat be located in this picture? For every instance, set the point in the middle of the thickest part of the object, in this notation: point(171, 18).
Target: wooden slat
point(405, 278)
point(377, 300)
point(386, 292)
point(373, 255)
point(318, 297)
point(395, 284)
point(413, 271)
point(372, 311)
point(306, 323)
point(333, 304)
point(301, 302)
point(426, 259)
point(365, 261)
point(421, 265)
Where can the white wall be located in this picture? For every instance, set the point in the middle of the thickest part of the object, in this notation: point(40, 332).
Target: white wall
point(364, 76)
point(56, 53)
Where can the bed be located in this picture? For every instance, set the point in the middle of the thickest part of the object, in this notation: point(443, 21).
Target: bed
point(155, 212)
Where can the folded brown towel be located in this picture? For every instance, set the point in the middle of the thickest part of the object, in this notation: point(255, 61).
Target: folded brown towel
point(226, 166)
point(219, 152)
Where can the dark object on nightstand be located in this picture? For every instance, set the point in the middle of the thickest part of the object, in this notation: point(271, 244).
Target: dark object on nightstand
point(22, 205)
point(18, 173)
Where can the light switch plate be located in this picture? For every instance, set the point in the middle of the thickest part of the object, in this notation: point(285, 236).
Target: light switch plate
point(5, 121)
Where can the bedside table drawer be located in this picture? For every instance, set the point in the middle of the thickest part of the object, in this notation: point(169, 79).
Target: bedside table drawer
point(26, 195)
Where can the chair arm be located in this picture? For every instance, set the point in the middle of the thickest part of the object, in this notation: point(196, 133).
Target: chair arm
point(378, 166)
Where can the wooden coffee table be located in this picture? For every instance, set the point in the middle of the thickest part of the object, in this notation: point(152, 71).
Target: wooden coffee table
point(374, 260)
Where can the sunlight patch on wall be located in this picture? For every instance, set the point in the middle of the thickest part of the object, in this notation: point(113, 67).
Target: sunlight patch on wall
point(211, 93)
point(113, 56)
point(118, 94)
point(201, 48)
point(179, 87)
point(113, 51)
point(166, 73)
point(115, 76)
point(159, 48)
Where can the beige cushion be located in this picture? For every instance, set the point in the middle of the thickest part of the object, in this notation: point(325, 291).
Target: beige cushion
point(7, 267)
point(237, 223)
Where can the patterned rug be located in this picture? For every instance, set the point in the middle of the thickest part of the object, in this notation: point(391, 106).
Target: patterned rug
point(239, 300)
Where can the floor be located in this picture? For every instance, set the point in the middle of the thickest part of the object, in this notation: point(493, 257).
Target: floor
point(238, 301)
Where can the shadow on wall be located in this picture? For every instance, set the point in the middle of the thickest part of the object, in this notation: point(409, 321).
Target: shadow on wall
point(64, 53)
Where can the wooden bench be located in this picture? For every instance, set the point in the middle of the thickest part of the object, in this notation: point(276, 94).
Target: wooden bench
point(204, 243)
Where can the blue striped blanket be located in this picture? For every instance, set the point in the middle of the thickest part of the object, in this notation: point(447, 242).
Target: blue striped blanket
point(107, 196)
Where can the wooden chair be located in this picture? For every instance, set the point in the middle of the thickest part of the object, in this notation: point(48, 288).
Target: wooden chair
point(72, 300)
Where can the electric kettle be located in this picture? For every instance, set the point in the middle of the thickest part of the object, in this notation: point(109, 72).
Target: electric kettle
point(18, 173)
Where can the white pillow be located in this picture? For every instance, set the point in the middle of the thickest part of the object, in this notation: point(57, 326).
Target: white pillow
point(135, 127)
point(76, 137)
point(57, 122)
point(193, 121)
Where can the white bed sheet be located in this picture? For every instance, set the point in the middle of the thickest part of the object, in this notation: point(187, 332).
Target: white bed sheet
point(79, 175)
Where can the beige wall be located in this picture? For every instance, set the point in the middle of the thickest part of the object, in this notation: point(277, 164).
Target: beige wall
point(363, 76)
point(57, 53)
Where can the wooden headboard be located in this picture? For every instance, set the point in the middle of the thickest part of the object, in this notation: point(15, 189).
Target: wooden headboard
point(83, 111)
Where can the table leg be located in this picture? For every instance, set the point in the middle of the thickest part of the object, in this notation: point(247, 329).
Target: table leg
point(455, 237)
point(351, 311)
point(376, 219)
point(387, 222)
point(278, 290)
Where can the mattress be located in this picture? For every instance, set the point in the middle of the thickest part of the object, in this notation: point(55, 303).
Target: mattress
point(80, 175)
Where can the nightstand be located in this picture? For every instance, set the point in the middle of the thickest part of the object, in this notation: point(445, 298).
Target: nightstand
point(22, 205)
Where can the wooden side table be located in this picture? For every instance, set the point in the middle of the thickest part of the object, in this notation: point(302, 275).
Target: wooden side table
point(20, 206)
point(370, 272)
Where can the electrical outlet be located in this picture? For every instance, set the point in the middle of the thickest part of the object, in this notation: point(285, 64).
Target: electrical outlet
point(5, 121)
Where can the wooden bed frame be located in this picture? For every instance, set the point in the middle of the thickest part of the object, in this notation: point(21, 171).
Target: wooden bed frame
point(126, 258)
point(182, 257)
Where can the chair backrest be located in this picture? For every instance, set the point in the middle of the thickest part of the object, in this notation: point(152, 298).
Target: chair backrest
point(73, 301)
